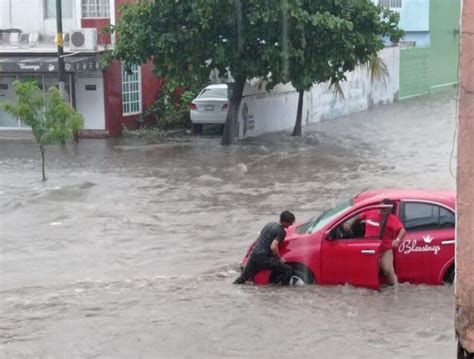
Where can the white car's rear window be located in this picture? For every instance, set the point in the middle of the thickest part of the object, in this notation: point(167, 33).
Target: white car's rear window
point(214, 93)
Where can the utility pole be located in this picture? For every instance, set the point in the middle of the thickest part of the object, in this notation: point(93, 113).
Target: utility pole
point(60, 40)
point(464, 290)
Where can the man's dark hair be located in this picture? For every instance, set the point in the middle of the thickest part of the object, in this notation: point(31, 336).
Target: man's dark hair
point(287, 217)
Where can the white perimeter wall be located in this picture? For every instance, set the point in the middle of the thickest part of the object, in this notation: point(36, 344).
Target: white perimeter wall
point(262, 112)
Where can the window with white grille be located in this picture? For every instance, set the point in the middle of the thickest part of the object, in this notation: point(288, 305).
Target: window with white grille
point(95, 9)
point(391, 4)
point(131, 91)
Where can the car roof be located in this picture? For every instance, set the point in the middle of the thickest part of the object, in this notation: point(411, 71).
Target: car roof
point(448, 198)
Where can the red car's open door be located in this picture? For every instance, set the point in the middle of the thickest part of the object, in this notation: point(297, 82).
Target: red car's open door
point(348, 256)
point(351, 261)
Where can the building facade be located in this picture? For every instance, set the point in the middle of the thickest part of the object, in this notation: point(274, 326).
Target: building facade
point(430, 69)
point(108, 99)
point(414, 20)
point(430, 50)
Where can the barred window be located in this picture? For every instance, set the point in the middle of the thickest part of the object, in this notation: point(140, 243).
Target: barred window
point(131, 91)
point(95, 9)
point(391, 4)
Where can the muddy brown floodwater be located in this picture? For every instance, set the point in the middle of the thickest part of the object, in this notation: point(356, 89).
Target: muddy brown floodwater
point(130, 248)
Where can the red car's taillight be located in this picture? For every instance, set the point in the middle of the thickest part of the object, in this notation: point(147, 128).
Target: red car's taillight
point(225, 107)
point(193, 107)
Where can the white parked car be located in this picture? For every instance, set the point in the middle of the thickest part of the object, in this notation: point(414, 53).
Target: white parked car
point(210, 106)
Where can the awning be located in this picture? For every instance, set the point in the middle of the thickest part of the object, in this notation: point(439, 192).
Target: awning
point(48, 64)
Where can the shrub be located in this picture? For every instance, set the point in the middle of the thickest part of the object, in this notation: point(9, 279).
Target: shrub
point(170, 110)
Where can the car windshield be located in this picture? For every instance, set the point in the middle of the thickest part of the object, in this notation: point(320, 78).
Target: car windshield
point(315, 224)
point(214, 93)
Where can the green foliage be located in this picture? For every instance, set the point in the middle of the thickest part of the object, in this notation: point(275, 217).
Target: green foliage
point(377, 69)
point(188, 39)
point(61, 121)
point(51, 118)
point(171, 110)
point(323, 40)
point(298, 41)
point(29, 106)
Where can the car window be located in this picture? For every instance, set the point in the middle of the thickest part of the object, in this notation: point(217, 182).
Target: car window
point(327, 216)
point(364, 225)
point(214, 93)
point(424, 216)
point(446, 218)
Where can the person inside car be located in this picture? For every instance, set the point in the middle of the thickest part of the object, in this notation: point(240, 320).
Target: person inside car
point(265, 254)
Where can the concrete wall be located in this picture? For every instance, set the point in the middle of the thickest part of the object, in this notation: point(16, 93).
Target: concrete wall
point(445, 18)
point(261, 112)
point(429, 69)
point(414, 72)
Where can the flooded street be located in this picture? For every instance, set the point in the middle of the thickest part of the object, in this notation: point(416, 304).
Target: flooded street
point(130, 248)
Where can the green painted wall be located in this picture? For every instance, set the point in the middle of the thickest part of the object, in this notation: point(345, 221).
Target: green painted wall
point(414, 72)
point(426, 70)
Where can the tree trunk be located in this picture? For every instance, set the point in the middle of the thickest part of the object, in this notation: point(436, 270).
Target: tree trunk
point(42, 149)
point(230, 128)
point(299, 115)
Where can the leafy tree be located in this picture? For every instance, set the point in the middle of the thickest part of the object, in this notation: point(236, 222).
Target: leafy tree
point(188, 39)
point(302, 41)
point(51, 118)
point(171, 108)
point(323, 40)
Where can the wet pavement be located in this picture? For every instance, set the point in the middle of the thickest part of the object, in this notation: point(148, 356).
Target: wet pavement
point(130, 248)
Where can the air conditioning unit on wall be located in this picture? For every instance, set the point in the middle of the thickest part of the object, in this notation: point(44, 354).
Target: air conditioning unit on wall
point(83, 39)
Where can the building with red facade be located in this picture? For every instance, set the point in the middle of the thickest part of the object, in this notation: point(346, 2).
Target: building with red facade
point(108, 99)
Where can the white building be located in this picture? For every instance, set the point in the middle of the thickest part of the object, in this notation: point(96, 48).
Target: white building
point(28, 51)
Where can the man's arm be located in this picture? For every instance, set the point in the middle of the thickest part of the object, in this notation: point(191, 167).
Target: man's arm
point(274, 249)
point(349, 227)
point(401, 234)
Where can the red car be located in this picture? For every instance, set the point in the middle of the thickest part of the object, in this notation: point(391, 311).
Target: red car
point(324, 250)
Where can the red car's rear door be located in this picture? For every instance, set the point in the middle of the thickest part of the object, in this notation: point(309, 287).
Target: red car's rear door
point(428, 246)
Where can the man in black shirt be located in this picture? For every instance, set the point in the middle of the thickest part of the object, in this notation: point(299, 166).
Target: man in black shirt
point(265, 254)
